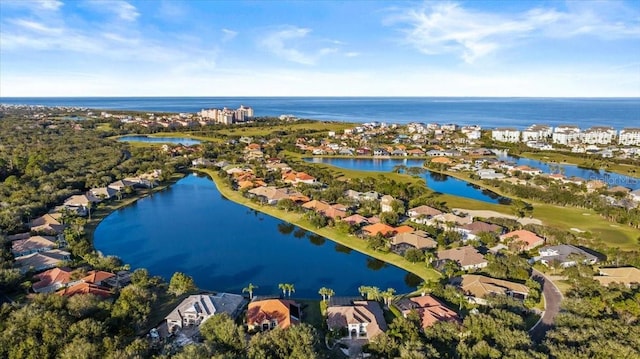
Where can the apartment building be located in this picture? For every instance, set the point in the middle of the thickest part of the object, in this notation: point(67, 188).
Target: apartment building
point(505, 135)
point(599, 135)
point(629, 137)
point(566, 135)
point(537, 133)
point(228, 116)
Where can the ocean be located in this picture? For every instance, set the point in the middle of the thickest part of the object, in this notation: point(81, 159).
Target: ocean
point(487, 112)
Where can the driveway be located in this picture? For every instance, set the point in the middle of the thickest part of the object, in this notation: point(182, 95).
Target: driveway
point(552, 299)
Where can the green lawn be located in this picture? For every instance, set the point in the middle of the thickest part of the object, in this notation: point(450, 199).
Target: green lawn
point(316, 126)
point(419, 269)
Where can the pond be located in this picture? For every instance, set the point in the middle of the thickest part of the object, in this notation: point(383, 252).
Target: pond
point(224, 246)
point(174, 140)
point(436, 181)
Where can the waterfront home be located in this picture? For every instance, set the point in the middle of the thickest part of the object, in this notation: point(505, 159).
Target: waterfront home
point(102, 193)
point(266, 314)
point(385, 203)
point(625, 275)
point(272, 195)
point(422, 214)
point(415, 239)
point(525, 170)
point(565, 255)
point(85, 288)
point(362, 319)
point(33, 244)
point(473, 229)
point(196, 309)
point(362, 196)
point(467, 257)
point(41, 260)
point(49, 223)
point(429, 309)
point(524, 240)
point(450, 220)
point(79, 204)
point(356, 220)
point(378, 228)
point(52, 280)
point(121, 185)
point(478, 287)
point(296, 178)
point(489, 174)
point(415, 152)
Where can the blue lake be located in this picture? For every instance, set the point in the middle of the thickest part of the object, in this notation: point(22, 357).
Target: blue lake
point(436, 181)
point(224, 246)
point(175, 140)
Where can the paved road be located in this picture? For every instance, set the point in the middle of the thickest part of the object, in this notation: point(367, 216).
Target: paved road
point(552, 299)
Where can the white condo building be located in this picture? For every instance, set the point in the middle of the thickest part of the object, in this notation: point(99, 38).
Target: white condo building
point(629, 137)
point(566, 135)
point(227, 116)
point(599, 135)
point(537, 133)
point(472, 132)
point(505, 135)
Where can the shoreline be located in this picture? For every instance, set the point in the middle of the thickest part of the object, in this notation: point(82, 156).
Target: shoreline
point(419, 269)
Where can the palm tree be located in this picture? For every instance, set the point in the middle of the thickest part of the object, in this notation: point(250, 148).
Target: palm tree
point(363, 290)
point(290, 288)
point(425, 287)
point(387, 295)
point(326, 293)
point(374, 293)
point(283, 287)
point(249, 289)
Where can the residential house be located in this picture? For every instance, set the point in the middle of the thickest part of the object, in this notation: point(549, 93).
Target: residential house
point(599, 135)
point(473, 229)
point(478, 287)
point(316, 205)
point(429, 309)
point(361, 318)
point(564, 255)
point(505, 135)
point(537, 133)
point(103, 193)
point(629, 137)
point(380, 152)
point(85, 288)
point(272, 195)
point(467, 257)
point(385, 203)
point(49, 223)
point(566, 135)
point(450, 220)
point(356, 219)
point(422, 213)
point(415, 239)
point(416, 152)
point(378, 228)
point(526, 170)
point(52, 280)
point(195, 309)
point(527, 240)
point(34, 244)
point(267, 314)
point(122, 185)
point(625, 275)
point(41, 260)
point(489, 174)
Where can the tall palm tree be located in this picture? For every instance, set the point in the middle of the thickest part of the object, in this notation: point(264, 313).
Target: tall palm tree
point(363, 290)
point(374, 293)
point(330, 293)
point(290, 288)
point(283, 287)
point(425, 287)
point(326, 293)
point(387, 295)
point(249, 289)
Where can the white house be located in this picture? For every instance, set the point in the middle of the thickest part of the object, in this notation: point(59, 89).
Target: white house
point(629, 137)
point(505, 135)
point(537, 133)
point(599, 135)
point(385, 203)
point(566, 135)
point(195, 309)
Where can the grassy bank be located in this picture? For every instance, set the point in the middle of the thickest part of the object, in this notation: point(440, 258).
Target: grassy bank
point(419, 269)
point(316, 126)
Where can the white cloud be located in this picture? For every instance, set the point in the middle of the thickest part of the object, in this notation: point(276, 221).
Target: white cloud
point(228, 35)
point(49, 4)
point(352, 54)
point(277, 43)
point(440, 28)
point(36, 26)
point(120, 8)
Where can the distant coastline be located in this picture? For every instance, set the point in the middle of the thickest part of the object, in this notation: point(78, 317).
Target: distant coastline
point(484, 111)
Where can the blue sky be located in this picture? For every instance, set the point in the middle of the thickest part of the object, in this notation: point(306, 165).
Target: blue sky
point(320, 48)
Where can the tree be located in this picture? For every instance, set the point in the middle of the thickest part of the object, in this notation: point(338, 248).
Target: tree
point(425, 287)
point(326, 293)
point(181, 283)
point(249, 289)
point(283, 287)
point(414, 255)
point(521, 208)
point(296, 342)
point(387, 295)
point(290, 288)
point(223, 335)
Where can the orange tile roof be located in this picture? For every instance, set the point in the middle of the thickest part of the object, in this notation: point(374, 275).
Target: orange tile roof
point(441, 160)
point(430, 310)
point(266, 310)
point(378, 228)
point(304, 176)
point(316, 205)
point(52, 276)
point(530, 238)
point(97, 276)
point(85, 288)
point(404, 229)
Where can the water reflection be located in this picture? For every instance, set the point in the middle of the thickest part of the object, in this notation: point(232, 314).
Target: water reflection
point(300, 233)
point(316, 239)
point(375, 264)
point(412, 280)
point(343, 249)
point(286, 228)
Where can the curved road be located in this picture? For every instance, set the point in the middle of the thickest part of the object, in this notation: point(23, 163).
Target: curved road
point(552, 299)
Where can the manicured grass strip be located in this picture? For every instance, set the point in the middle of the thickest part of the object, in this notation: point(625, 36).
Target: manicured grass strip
point(555, 157)
point(316, 126)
